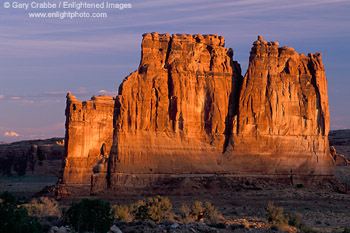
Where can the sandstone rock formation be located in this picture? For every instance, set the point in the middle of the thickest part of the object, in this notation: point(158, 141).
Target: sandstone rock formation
point(89, 136)
point(283, 118)
point(339, 159)
point(33, 157)
point(172, 111)
point(340, 139)
point(187, 110)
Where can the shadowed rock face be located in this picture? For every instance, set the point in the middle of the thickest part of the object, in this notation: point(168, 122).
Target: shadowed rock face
point(188, 110)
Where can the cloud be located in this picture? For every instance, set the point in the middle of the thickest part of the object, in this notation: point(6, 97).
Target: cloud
point(11, 134)
point(2, 96)
point(49, 101)
point(110, 93)
point(27, 101)
point(15, 46)
point(81, 91)
point(46, 130)
point(55, 92)
point(18, 99)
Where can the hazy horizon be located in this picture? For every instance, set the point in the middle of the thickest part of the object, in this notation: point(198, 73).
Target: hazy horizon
point(41, 59)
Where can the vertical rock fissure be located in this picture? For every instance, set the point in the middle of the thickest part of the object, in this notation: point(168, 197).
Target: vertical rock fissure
point(113, 156)
point(320, 117)
point(233, 106)
point(172, 109)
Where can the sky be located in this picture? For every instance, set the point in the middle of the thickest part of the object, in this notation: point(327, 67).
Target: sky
point(41, 59)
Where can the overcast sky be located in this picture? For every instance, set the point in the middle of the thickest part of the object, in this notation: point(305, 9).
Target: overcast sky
point(42, 59)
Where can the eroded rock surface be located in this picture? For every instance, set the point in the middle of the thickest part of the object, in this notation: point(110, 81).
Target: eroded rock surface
point(187, 110)
point(89, 136)
point(339, 159)
point(283, 119)
point(172, 110)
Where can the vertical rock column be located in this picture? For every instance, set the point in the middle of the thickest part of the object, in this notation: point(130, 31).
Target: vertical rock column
point(89, 136)
point(172, 112)
point(283, 119)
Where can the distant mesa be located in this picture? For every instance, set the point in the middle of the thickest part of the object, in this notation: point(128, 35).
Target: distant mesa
point(32, 157)
point(187, 111)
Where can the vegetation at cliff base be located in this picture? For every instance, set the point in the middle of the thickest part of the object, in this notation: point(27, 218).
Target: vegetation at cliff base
point(153, 209)
point(90, 215)
point(15, 218)
point(275, 216)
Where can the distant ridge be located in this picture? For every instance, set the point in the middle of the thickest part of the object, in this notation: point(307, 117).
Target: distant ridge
point(32, 157)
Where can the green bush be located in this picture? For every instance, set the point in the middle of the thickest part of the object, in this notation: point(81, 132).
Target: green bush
point(15, 218)
point(196, 210)
point(185, 215)
point(274, 215)
point(154, 209)
point(43, 207)
point(210, 212)
point(295, 221)
point(122, 213)
point(90, 215)
point(346, 230)
point(199, 211)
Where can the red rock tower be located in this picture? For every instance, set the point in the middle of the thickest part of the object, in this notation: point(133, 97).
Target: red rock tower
point(188, 111)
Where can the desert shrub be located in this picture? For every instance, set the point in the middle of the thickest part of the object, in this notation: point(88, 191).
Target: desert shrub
point(295, 221)
point(122, 213)
point(185, 215)
point(196, 210)
point(43, 207)
point(210, 212)
point(199, 211)
point(275, 215)
point(15, 218)
point(154, 209)
point(90, 215)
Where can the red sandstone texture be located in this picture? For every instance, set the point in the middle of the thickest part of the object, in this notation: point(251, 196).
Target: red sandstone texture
point(89, 135)
point(188, 110)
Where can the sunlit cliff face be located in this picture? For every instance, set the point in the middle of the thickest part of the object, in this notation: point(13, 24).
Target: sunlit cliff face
point(187, 109)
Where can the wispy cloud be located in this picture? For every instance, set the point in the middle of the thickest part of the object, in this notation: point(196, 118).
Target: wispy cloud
point(27, 101)
point(55, 92)
point(11, 134)
point(110, 93)
point(38, 47)
point(81, 91)
point(45, 130)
